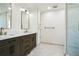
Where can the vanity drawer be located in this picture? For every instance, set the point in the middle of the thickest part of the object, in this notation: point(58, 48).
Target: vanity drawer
point(12, 47)
point(33, 41)
point(4, 50)
point(26, 44)
point(18, 45)
point(3, 43)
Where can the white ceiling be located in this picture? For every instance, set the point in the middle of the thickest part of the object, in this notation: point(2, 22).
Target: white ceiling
point(41, 6)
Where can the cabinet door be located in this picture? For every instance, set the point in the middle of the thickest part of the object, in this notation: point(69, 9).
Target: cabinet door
point(12, 47)
point(18, 46)
point(26, 45)
point(4, 50)
point(33, 42)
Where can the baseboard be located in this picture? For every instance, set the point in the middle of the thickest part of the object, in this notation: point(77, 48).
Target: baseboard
point(53, 43)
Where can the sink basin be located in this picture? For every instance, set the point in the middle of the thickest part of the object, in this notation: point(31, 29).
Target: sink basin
point(11, 34)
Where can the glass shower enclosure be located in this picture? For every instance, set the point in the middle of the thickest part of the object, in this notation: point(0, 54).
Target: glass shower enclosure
point(72, 42)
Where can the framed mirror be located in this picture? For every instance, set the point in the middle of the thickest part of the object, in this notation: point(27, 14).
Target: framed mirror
point(25, 21)
point(5, 15)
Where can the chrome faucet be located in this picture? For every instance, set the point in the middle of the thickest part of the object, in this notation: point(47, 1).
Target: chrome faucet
point(25, 31)
point(1, 31)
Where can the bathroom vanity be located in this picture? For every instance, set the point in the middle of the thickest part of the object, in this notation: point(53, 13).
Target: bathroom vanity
point(18, 45)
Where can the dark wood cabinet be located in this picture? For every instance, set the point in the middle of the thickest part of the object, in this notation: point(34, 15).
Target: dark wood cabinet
point(12, 47)
point(25, 45)
point(18, 46)
point(33, 43)
point(4, 50)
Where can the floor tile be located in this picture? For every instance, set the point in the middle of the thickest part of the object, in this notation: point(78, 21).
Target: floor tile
point(47, 50)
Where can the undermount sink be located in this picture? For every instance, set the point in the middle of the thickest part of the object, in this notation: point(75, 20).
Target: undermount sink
point(5, 33)
point(25, 31)
point(11, 34)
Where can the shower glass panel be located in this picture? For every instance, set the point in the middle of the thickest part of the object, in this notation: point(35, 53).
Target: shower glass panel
point(73, 29)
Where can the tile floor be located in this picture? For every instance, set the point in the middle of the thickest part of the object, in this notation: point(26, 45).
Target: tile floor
point(47, 50)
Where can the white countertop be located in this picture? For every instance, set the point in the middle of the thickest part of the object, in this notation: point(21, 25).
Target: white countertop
point(3, 37)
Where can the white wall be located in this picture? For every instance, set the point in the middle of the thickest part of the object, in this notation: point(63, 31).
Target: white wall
point(53, 19)
point(16, 21)
point(34, 24)
point(34, 21)
point(39, 27)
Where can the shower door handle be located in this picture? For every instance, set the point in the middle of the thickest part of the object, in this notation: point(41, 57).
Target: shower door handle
point(78, 26)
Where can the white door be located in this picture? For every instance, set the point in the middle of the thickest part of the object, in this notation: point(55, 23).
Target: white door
point(53, 27)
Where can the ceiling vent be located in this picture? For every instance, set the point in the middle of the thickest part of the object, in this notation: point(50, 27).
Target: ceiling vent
point(55, 6)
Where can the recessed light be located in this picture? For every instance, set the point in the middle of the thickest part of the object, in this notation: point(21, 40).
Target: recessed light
point(55, 6)
point(27, 12)
point(22, 9)
point(49, 8)
point(30, 14)
point(9, 8)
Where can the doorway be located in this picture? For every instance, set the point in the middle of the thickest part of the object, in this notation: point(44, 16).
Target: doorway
point(53, 27)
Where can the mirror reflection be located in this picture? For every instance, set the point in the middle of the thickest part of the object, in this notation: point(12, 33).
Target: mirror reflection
point(24, 19)
point(5, 15)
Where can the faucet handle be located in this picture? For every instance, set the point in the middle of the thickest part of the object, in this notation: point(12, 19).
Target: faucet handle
point(2, 28)
point(5, 33)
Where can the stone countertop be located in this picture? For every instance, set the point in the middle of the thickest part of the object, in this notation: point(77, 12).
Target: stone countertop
point(3, 37)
